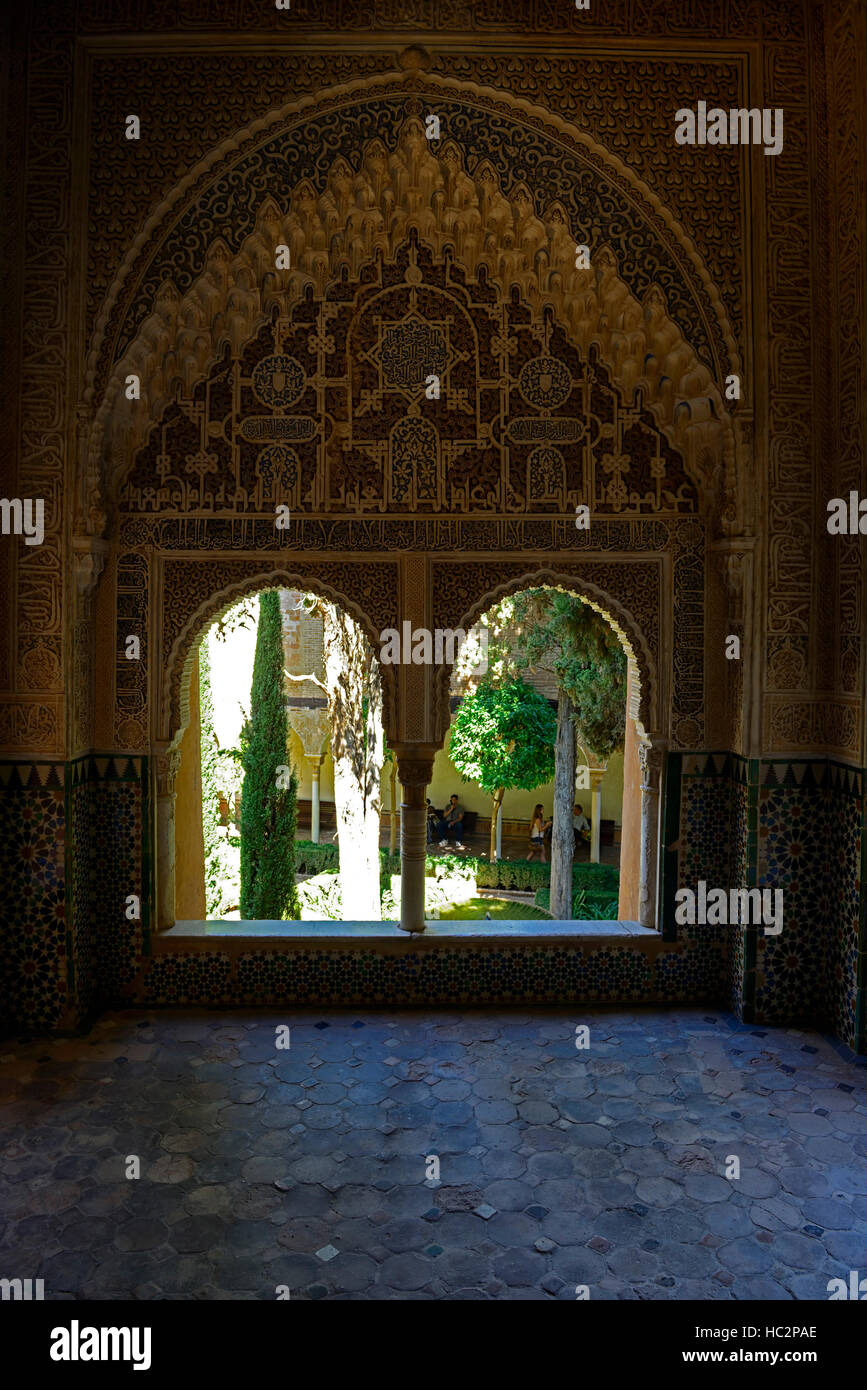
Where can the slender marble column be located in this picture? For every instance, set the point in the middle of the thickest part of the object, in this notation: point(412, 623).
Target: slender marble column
point(595, 814)
point(414, 778)
point(650, 758)
point(315, 768)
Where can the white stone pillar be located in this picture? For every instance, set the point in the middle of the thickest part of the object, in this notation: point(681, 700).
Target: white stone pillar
point(595, 813)
point(393, 813)
point(315, 762)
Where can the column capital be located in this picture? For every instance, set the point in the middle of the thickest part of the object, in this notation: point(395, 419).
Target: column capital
point(168, 761)
point(650, 756)
point(414, 764)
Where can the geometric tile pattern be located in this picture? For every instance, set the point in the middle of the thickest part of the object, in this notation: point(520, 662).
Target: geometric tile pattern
point(71, 849)
point(843, 1004)
point(474, 974)
point(107, 858)
point(810, 817)
point(33, 983)
point(69, 860)
point(793, 834)
point(310, 1168)
point(789, 824)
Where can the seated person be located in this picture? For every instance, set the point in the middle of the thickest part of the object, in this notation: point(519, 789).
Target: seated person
point(580, 823)
point(451, 823)
point(538, 830)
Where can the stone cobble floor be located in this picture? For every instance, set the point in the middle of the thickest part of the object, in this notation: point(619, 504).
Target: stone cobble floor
point(306, 1169)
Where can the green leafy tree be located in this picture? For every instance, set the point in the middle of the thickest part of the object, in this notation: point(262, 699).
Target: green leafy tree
point(270, 790)
point(569, 638)
point(503, 737)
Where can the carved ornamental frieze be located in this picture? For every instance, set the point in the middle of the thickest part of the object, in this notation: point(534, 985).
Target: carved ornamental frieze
point(329, 411)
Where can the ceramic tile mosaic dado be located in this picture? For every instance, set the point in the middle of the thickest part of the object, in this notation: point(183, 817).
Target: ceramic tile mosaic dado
point(708, 835)
point(34, 986)
point(110, 862)
point(72, 847)
point(776, 823)
point(405, 974)
point(810, 845)
point(781, 823)
point(76, 842)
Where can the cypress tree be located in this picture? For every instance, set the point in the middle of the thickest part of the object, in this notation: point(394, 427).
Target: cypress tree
point(269, 797)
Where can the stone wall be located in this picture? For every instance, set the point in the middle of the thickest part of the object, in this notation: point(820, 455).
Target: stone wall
point(747, 263)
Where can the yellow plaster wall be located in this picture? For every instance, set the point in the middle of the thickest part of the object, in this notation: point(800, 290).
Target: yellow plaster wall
point(517, 805)
point(304, 772)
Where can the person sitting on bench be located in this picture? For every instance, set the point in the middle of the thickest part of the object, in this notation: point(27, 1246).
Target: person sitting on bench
point(580, 823)
point(451, 824)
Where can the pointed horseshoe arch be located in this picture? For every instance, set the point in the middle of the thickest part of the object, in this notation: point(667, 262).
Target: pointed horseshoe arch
point(615, 614)
point(668, 338)
point(175, 683)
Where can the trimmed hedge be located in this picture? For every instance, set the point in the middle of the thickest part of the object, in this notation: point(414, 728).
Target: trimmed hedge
point(594, 886)
point(519, 875)
point(528, 876)
point(596, 876)
point(314, 859)
point(389, 863)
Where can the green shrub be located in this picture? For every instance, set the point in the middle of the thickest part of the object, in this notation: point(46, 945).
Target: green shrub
point(595, 876)
point(518, 875)
point(594, 886)
point(314, 859)
point(388, 863)
point(320, 898)
point(222, 888)
point(587, 906)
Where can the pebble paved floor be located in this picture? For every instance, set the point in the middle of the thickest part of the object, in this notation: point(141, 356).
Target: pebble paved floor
point(558, 1167)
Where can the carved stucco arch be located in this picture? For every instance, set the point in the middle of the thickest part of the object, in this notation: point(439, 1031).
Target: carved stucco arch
point(645, 709)
point(233, 294)
point(175, 675)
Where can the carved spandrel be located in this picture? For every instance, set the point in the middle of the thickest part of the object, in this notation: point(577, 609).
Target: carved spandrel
point(439, 318)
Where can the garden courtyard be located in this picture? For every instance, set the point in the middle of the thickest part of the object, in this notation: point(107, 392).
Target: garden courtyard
point(284, 765)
